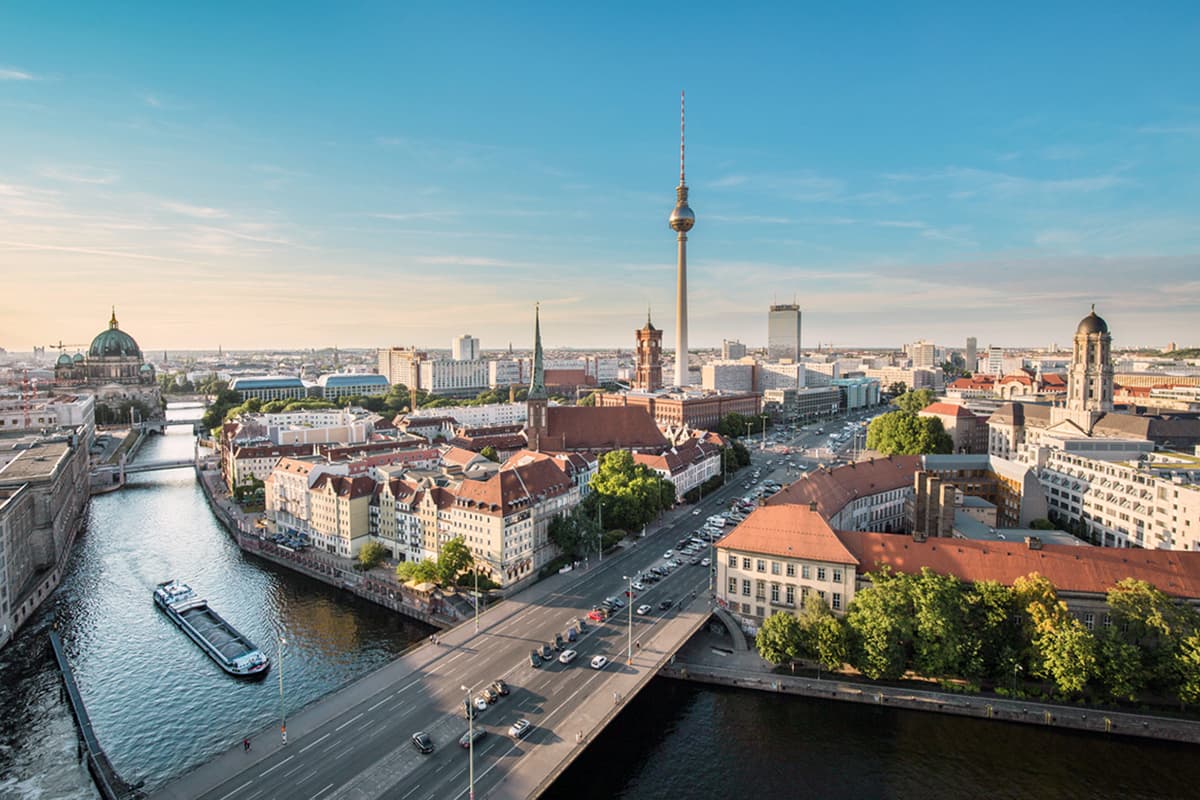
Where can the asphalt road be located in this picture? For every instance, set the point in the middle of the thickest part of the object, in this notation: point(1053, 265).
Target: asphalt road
point(364, 750)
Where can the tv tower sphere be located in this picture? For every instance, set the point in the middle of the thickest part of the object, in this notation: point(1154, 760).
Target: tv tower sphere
point(682, 219)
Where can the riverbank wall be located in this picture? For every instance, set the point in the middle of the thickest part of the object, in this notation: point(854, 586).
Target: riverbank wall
point(382, 591)
point(109, 784)
point(694, 664)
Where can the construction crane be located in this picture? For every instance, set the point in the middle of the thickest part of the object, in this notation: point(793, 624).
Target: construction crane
point(60, 347)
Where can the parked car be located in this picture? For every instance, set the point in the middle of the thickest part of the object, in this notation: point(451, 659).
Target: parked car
point(567, 656)
point(704, 562)
point(520, 729)
point(546, 652)
point(535, 660)
point(481, 703)
point(558, 641)
point(500, 687)
point(571, 635)
point(643, 610)
point(665, 604)
point(471, 736)
point(422, 742)
point(490, 695)
point(599, 662)
point(668, 554)
point(596, 615)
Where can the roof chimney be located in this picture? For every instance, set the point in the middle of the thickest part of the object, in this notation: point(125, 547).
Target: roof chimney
point(812, 505)
point(1033, 542)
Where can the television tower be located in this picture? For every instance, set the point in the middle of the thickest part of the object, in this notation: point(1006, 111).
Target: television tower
point(681, 221)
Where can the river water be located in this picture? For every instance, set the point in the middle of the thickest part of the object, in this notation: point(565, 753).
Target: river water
point(160, 706)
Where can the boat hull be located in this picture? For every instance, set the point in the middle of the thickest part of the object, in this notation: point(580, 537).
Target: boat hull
point(231, 651)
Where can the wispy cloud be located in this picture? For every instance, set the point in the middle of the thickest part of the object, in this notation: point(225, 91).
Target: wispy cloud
point(409, 216)
point(728, 180)
point(1172, 130)
point(89, 251)
point(10, 74)
point(982, 180)
point(199, 212)
point(468, 261)
point(80, 174)
point(152, 100)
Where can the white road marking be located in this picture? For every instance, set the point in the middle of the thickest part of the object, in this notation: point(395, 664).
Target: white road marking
point(347, 722)
point(381, 702)
point(404, 797)
point(323, 791)
point(277, 766)
point(294, 770)
point(314, 744)
point(238, 789)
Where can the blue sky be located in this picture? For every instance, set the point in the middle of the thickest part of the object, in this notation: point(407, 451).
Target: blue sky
point(257, 175)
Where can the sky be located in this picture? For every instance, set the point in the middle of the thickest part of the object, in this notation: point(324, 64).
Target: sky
point(257, 175)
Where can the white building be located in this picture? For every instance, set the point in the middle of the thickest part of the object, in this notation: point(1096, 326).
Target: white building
point(773, 375)
point(464, 348)
point(732, 350)
point(725, 376)
point(449, 377)
point(923, 354)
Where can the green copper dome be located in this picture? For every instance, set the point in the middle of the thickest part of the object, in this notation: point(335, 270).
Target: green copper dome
point(77, 358)
point(114, 343)
point(64, 360)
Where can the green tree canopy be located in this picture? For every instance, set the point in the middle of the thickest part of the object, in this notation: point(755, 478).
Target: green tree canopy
point(881, 625)
point(575, 533)
point(823, 635)
point(418, 571)
point(905, 433)
point(779, 638)
point(454, 559)
point(914, 401)
point(630, 494)
point(490, 454)
point(371, 555)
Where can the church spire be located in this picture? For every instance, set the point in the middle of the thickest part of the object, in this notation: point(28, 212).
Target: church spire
point(112, 323)
point(537, 385)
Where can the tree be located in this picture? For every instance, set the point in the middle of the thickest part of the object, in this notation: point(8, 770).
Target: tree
point(904, 433)
point(1187, 663)
point(896, 388)
point(590, 400)
point(418, 571)
point(1148, 619)
point(1068, 655)
point(1119, 666)
point(778, 639)
point(575, 533)
point(631, 494)
point(823, 635)
point(942, 644)
point(914, 401)
point(994, 621)
point(880, 622)
point(490, 454)
point(371, 555)
point(454, 558)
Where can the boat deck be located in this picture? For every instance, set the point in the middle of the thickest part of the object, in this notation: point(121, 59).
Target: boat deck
point(217, 631)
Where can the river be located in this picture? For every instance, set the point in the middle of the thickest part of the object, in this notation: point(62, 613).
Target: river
point(160, 706)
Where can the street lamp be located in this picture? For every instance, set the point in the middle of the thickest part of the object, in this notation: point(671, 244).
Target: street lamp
point(600, 532)
point(764, 432)
point(477, 598)
point(470, 745)
point(629, 654)
point(1016, 669)
point(282, 714)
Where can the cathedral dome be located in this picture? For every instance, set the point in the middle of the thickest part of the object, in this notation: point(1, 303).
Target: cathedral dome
point(64, 360)
point(1092, 324)
point(114, 343)
point(77, 358)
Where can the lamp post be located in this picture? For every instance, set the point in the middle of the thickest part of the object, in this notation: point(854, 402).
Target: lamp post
point(629, 654)
point(282, 713)
point(600, 532)
point(764, 432)
point(477, 598)
point(1016, 669)
point(470, 745)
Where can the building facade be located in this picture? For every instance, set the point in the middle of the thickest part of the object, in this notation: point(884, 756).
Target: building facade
point(647, 375)
point(783, 333)
point(464, 348)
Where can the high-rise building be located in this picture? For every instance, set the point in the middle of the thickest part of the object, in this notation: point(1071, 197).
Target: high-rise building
point(402, 365)
point(464, 348)
point(648, 374)
point(995, 360)
point(681, 221)
point(923, 354)
point(971, 356)
point(783, 333)
point(732, 350)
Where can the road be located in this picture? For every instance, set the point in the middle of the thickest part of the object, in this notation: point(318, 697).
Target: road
point(362, 746)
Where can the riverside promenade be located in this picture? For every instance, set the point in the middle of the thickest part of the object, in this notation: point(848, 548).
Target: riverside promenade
point(709, 658)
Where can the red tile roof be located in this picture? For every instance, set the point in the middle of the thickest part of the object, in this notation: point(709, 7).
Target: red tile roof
point(349, 488)
point(790, 531)
point(600, 429)
point(833, 489)
point(1091, 570)
point(947, 410)
point(513, 488)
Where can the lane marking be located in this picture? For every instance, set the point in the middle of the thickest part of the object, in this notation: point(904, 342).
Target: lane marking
point(277, 766)
point(323, 791)
point(314, 744)
point(238, 789)
point(347, 722)
point(404, 796)
point(381, 702)
point(294, 770)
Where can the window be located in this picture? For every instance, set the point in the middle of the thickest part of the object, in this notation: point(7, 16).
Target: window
point(733, 561)
point(745, 563)
point(820, 573)
point(791, 570)
point(774, 567)
point(1106, 621)
point(805, 572)
point(733, 585)
point(790, 595)
point(746, 588)
point(821, 593)
point(760, 590)
point(837, 600)
point(837, 576)
point(774, 592)
point(1089, 620)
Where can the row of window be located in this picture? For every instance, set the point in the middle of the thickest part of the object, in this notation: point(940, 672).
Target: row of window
point(789, 593)
point(760, 565)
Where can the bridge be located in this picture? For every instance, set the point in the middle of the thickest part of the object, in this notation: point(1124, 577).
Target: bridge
point(355, 743)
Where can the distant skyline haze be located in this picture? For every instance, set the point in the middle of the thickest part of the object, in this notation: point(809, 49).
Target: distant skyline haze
point(299, 175)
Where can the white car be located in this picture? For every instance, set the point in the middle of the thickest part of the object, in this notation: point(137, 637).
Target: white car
point(638, 586)
point(642, 611)
point(599, 662)
point(567, 656)
point(520, 728)
point(696, 513)
point(704, 562)
point(668, 554)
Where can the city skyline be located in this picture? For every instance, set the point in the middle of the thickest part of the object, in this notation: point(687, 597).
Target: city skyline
point(391, 178)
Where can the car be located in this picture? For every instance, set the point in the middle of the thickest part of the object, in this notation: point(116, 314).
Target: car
point(638, 586)
point(630, 594)
point(618, 602)
point(535, 660)
point(597, 615)
point(643, 610)
point(520, 729)
point(558, 641)
point(695, 562)
point(546, 652)
point(696, 512)
point(469, 709)
point(489, 694)
point(567, 656)
point(571, 635)
point(422, 742)
point(668, 554)
point(704, 562)
point(471, 736)
point(598, 662)
point(500, 687)
point(665, 604)
point(481, 703)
